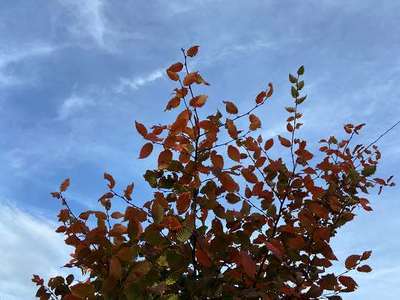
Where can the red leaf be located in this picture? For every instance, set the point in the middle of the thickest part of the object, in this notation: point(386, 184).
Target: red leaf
point(228, 183)
point(351, 261)
point(146, 150)
point(203, 258)
point(248, 264)
point(275, 250)
point(115, 268)
point(260, 97)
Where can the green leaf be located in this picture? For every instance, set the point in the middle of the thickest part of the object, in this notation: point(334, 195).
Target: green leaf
point(300, 71)
point(368, 171)
point(294, 92)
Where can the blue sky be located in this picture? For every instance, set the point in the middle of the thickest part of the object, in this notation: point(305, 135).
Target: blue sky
point(75, 74)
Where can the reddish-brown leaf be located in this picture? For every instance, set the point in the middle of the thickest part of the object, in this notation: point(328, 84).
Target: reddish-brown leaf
point(351, 261)
point(233, 153)
point(231, 107)
point(284, 142)
point(198, 101)
point(228, 183)
point(260, 97)
point(183, 202)
point(176, 67)
point(172, 75)
point(268, 144)
point(173, 103)
point(254, 122)
point(192, 51)
point(203, 258)
point(146, 150)
point(248, 264)
point(270, 90)
point(115, 268)
point(164, 159)
point(364, 268)
point(128, 191)
point(110, 179)
point(64, 185)
point(141, 129)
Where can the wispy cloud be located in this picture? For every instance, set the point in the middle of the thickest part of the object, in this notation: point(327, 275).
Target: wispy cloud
point(137, 82)
point(73, 105)
point(13, 56)
point(29, 246)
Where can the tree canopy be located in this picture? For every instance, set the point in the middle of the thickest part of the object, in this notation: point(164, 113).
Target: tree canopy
point(227, 219)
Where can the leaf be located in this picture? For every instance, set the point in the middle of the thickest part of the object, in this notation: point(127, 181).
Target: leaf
point(260, 97)
point(233, 153)
point(228, 183)
point(82, 290)
point(146, 150)
point(366, 255)
point(369, 170)
point(141, 129)
point(128, 191)
point(254, 122)
point(231, 108)
point(248, 264)
point(352, 261)
point(292, 78)
point(176, 67)
point(110, 179)
point(348, 282)
point(203, 258)
point(270, 90)
point(173, 103)
point(284, 142)
point(192, 51)
point(198, 101)
point(183, 202)
point(365, 204)
point(275, 250)
point(164, 159)
point(364, 269)
point(268, 144)
point(300, 71)
point(172, 75)
point(64, 185)
point(115, 268)
point(184, 234)
point(294, 92)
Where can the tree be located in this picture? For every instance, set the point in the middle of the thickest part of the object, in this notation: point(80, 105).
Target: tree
point(227, 220)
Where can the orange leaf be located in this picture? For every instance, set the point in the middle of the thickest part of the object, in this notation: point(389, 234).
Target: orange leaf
point(231, 107)
point(173, 103)
point(64, 185)
point(233, 153)
point(146, 150)
point(172, 75)
point(198, 101)
point(192, 51)
point(284, 142)
point(176, 67)
point(110, 179)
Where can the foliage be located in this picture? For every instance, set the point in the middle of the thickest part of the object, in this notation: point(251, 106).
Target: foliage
point(227, 220)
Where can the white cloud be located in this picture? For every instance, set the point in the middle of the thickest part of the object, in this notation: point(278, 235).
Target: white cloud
point(73, 105)
point(12, 56)
point(137, 82)
point(28, 246)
